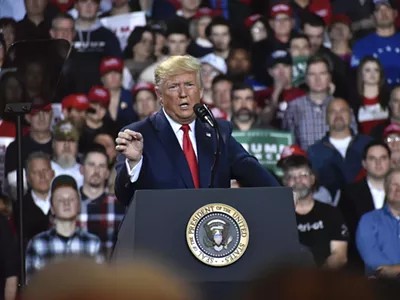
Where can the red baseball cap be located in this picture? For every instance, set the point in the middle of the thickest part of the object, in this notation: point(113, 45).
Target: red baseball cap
point(99, 94)
point(35, 110)
point(392, 128)
point(250, 21)
point(76, 101)
point(288, 151)
point(109, 64)
point(281, 8)
point(341, 18)
point(143, 86)
point(206, 12)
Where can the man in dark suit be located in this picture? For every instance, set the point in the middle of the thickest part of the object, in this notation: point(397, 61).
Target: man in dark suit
point(173, 150)
point(365, 195)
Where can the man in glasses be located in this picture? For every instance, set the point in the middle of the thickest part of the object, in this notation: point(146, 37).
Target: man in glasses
point(391, 136)
point(321, 227)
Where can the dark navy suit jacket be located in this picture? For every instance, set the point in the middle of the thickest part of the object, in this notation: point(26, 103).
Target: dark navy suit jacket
point(165, 166)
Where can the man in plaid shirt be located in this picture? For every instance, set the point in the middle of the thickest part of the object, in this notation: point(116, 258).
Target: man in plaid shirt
point(101, 213)
point(306, 116)
point(65, 238)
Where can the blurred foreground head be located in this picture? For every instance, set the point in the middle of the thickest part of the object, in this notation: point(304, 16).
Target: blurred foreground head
point(304, 283)
point(79, 279)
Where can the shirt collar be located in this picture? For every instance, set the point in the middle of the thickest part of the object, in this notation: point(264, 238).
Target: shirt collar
point(324, 103)
point(176, 127)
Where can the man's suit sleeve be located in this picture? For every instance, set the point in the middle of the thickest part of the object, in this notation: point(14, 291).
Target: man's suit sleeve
point(245, 168)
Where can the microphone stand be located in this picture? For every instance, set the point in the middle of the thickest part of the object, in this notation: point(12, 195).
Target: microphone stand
point(217, 150)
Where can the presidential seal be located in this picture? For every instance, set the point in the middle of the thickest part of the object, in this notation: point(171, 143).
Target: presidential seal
point(217, 234)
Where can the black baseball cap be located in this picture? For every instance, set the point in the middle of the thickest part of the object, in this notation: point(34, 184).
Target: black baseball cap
point(279, 57)
point(388, 3)
point(63, 180)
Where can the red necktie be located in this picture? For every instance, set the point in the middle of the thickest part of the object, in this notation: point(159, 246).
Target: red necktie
point(190, 155)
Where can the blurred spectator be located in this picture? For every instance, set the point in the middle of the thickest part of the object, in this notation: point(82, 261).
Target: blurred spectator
point(200, 46)
point(394, 114)
point(337, 157)
point(145, 100)
point(300, 50)
point(306, 116)
point(221, 94)
point(391, 137)
point(220, 35)
point(101, 213)
point(36, 202)
point(65, 151)
point(239, 68)
point(160, 37)
point(120, 109)
point(188, 8)
point(38, 139)
point(62, 27)
point(178, 40)
point(211, 66)
point(365, 195)
point(34, 25)
point(2, 51)
point(108, 142)
point(321, 227)
point(119, 7)
point(282, 24)
point(257, 27)
point(6, 206)
point(370, 105)
point(302, 9)
point(377, 233)
point(74, 109)
point(65, 238)
point(92, 43)
point(8, 261)
point(244, 116)
point(8, 28)
point(384, 44)
point(96, 121)
point(314, 27)
point(340, 36)
point(139, 52)
point(274, 100)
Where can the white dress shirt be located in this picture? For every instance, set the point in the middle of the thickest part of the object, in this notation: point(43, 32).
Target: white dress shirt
point(43, 204)
point(176, 128)
point(378, 196)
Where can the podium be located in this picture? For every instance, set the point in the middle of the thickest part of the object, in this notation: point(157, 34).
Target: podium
point(158, 224)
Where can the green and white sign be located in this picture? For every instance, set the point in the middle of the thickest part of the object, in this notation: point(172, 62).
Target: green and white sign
point(265, 145)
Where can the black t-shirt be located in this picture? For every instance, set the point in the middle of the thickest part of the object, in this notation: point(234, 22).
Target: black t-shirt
point(319, 227)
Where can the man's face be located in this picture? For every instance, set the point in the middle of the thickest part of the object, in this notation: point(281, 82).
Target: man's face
point(377, 162)
point(208, 73)
point(40, 121)
point(300, 47)
point(191, 5)
point(258, 32)
point(371, 73)
point(393, 141)
point(112, 80)
point(393, 189)
point(394, 104)
point(282, 73)
point(239, 62)
point(35, 7)
point(315, 36)
point(243, 105)
point(221, 92)
point(107, 142)
point(282, 25)
point(65, 152)
point(179, 94)
point(340, 32)
point(99, 112)
point(385, 16)
point(63, 29)
point(65, 203)
point(40, 175)
point(301, 180)
point(318, 78)
point(87, 9)
point(339, 116)
point(145, 104)
point(220, 37)
point(76, 116)
point(177, 44)
point(95, 170)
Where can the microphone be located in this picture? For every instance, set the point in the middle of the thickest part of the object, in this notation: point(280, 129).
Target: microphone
point(204, 114)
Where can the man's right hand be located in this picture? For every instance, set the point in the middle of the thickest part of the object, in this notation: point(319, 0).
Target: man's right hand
point(130, 144)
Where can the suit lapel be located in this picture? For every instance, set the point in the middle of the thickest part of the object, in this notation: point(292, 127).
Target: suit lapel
point(171, 145)
point(366, 199)
point(205, 153)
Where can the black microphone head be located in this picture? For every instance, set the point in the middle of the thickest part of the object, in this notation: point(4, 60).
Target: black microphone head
point(199, 110)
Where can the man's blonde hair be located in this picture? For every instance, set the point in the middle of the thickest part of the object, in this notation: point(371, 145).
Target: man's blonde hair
point(175, 65)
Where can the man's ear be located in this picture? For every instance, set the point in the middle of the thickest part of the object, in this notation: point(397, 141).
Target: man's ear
point(363, 163)
point(159, 95)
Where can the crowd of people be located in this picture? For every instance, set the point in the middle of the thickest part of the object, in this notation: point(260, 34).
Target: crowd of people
point(326, 71)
